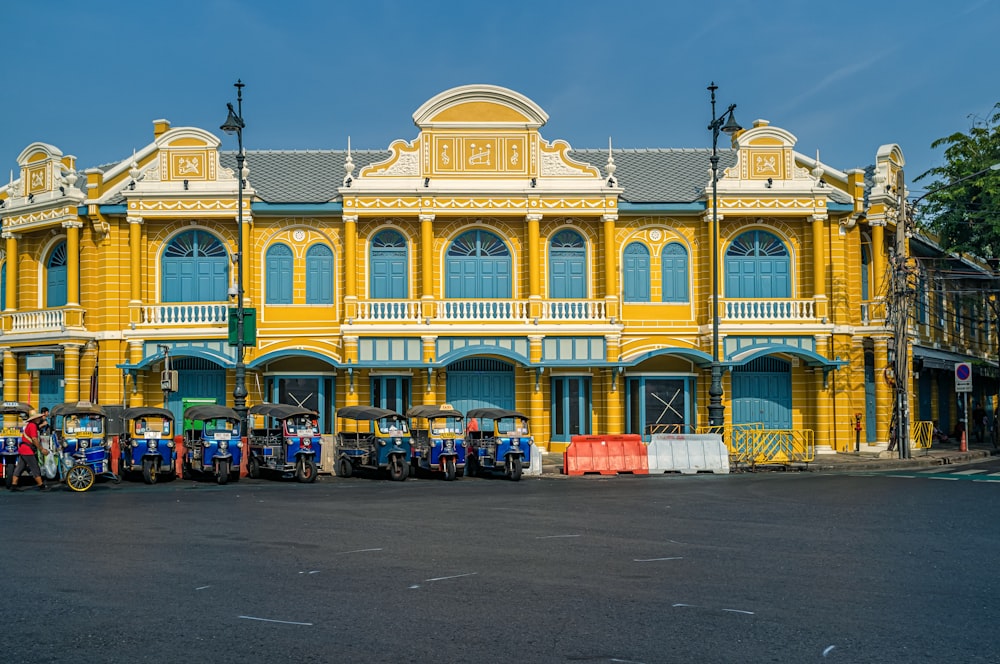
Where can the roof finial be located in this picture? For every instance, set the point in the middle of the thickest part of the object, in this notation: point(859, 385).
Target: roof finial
point(133, 170)
point(817, 171)
point(611, 168)
point(348, 165)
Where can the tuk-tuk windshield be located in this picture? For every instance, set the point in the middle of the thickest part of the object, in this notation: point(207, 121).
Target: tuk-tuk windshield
point(152, 426)
point(444, 425)
point(75, 425)
point(300, 425)
point(219, 427)
point(512, 426)
point(392, 427)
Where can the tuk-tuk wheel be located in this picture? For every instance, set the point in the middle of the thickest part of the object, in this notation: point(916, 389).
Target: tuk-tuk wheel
point(305, 470)
point(80, 477)
point(8, 474)
point(223, 474)
point(344, 467)
point(449, 468)
point(149, 471)
point(514, 468)
point(397, 468)
point(253, 467)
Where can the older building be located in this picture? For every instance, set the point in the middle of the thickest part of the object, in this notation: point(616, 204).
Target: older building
point(478, 264)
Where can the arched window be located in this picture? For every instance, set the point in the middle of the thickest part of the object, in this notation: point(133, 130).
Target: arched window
point(389, 271)
point(319, 275)
point(55, 277)
point(757, 266)
point(278, 266)
point(866, 266)
point(635, 272)
point(675, 273)
point(567, 266)
point(478, 265)
point(195, 268)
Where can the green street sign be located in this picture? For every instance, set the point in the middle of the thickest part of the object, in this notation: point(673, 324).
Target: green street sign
point(249, 326)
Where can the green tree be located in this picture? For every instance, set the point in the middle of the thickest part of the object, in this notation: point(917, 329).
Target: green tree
point(965, 215)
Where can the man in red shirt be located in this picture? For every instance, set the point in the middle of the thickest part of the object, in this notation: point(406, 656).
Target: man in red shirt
point(27, 449)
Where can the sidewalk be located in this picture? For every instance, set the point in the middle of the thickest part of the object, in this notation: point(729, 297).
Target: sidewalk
point(940, 454)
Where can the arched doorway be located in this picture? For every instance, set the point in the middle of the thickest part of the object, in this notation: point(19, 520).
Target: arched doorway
point(762, 392)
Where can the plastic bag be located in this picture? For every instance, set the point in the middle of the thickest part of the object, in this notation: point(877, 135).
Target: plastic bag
point(49, 465)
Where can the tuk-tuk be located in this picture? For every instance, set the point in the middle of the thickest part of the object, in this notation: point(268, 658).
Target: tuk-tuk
point(440, 446)
point(384, 445)
point(10, 437)
point(83, 450)
point(212, 445)
point(507, 448)
point(148, 442)
point(289, 443)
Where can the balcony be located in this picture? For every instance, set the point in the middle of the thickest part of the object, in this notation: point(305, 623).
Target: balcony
point(183, 314)
point(42, 320)
point(456, 311)
point(769, 310)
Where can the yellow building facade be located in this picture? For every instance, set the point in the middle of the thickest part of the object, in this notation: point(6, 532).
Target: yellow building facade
point(478, 264)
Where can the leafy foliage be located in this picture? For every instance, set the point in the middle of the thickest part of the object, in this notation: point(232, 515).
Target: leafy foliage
point(962, 206)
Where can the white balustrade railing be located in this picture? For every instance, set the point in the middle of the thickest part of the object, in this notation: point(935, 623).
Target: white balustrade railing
point(36, 321)
point(188, 313)
point(594, 310)
point(769, 310)
point(389, 310)
point(466, 310)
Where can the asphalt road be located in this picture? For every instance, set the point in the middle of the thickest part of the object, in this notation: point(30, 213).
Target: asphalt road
point(744, 568)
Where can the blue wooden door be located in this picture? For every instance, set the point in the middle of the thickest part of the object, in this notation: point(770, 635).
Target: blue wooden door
point(675, 273)
point(762, 392)
point(871, 412)
point(392, 392)
point(195, 269)
point(319, 275)
point(757, 266)
point(478, 267)
point(51, 387)
point(924, 389)
point(55, 276)
point(480, 383)
point(568, 266)
point(571, 407)
point(197, 378)
point(388, 266)
point(635, 273)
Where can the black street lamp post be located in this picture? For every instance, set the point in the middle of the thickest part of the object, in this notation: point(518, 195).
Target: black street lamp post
point(234, 125)
point(724, 123)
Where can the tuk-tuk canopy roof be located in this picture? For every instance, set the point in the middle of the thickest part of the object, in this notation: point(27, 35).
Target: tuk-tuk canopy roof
point(15, 408)
point(430, 412)
point(281, 411)
point(367, 413)
point(77, 408)
point(210, 412)
point(494, 413)
point(147, 411)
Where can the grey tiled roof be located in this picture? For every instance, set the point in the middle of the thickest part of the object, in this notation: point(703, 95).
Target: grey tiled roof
point(300, 176)
point(654, 175)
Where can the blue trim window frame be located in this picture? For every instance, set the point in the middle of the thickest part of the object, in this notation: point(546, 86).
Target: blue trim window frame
point(389, 265)
point(571, 407)
point(758, 265)
point(674, 267)
point(315, 391)
point(567, 266)
point(279, 268)
point(319, 274)
point(659, 404)
point(635, 273)
point(478, 265)
point(195, 268)
point(392, 392)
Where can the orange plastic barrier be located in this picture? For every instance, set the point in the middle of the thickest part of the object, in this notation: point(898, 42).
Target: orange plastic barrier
point(243, 457)
point(179, 447)
point(607, 455)
point(116, 453)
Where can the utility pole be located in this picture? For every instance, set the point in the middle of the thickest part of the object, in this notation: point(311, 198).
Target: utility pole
point(901, 287)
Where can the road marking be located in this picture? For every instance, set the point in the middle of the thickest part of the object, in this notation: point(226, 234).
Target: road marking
point(953, 479)
point(357, 551)
point(749, 613)
point(457, 576)
point(283, 622)
point(555, 536)
point(675, 605)
point(203, 587)
point(650, 560)
point(826, 651)
point(974, 471)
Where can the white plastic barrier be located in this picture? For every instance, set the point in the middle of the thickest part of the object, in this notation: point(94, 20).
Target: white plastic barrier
point(688, 453)
point(534, 467)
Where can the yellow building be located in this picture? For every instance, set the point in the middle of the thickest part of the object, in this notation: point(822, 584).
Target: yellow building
point(478, 263)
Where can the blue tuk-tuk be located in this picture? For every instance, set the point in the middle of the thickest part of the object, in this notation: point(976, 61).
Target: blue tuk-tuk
point(83, 450)
point(289, 442)
point(506, 448)
point(383, 445)
point(212, 444)
point(437, 435)
point(148, 442)
point(10, 437)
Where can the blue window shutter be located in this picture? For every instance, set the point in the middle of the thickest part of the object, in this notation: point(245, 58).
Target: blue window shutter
point(195, 268)
point(319, 275)
point(675, 273)
point(388, 263)
point(55, 291)
point(278, 262)
point(478, 266)
point(636, 273)
point(567, 266)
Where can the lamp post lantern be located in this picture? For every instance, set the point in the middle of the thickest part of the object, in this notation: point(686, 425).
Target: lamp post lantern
point(723, 123)
point(234, 125)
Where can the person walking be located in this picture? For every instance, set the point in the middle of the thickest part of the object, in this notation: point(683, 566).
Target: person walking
point(979, 422)
point(30, 445)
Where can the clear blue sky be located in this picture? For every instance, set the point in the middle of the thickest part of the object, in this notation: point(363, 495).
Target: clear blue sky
point(844, 77)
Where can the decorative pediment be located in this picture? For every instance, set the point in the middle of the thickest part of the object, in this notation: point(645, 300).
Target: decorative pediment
point(483, 106)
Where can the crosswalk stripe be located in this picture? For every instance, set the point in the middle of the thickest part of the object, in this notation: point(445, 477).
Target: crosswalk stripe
point(974, 471)
point(994, 475)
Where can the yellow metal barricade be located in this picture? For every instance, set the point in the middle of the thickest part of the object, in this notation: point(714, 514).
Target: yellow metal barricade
point(782, 446)
point(738, 439)
point(921, 435)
